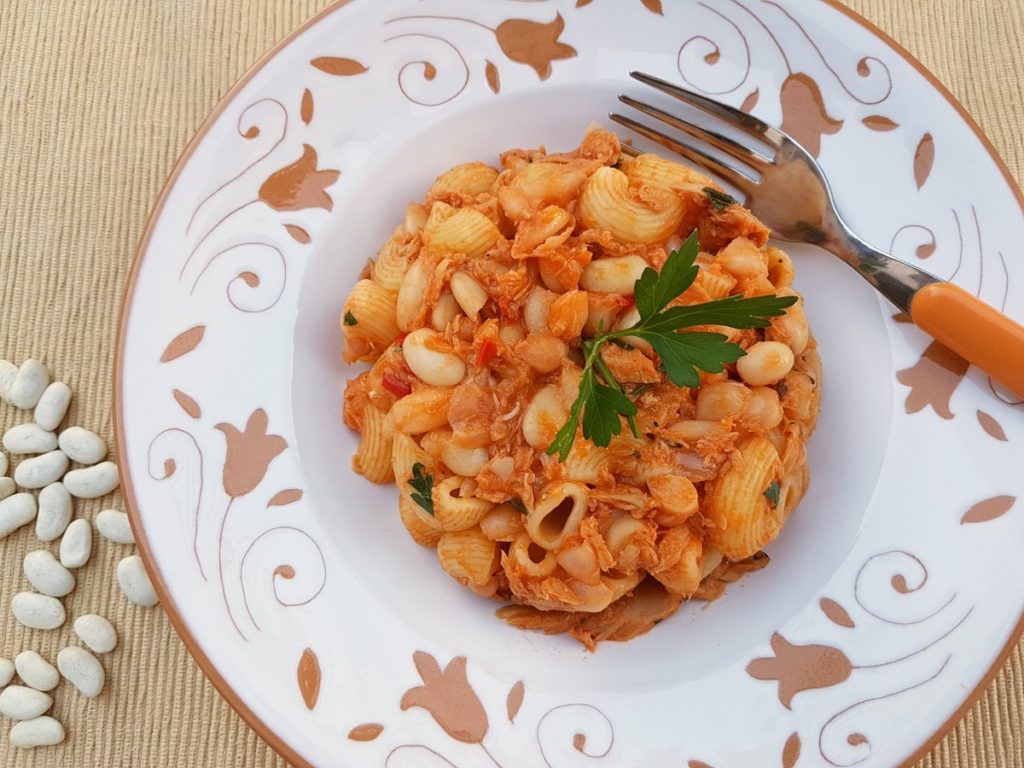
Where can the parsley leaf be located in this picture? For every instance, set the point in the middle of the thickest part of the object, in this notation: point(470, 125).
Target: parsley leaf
point(683, 353)
point(566, 436)
point(772, 493)
point(601, 417)
point(654, 291)
point(350, 319)
point(517, 504)
point(719, 200)
point(423, 484)
point(601, 403)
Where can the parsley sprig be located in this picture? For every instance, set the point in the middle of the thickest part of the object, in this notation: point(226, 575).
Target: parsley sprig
point(601, 401)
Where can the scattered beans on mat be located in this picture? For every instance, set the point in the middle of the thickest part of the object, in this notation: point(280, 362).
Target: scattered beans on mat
point(82, 670)
point(96, 632)
point(37, 732)
point(35, 671)
point(76, 545)
point(47, 575)
point(38, 611)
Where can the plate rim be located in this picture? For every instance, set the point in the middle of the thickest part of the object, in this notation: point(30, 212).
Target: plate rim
point(171, 609)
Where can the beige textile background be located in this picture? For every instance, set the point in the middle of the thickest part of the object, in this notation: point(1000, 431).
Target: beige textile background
point(97, 100)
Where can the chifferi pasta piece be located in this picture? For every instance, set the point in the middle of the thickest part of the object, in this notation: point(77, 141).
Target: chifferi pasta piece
point(468, 179)
point(607, 203)
point(462, 230)
point(373, 457)
point(744, 519)
point(468, 556)
point(392, 262)
point(557, 514)
point(454, 510)
point(479, 317)
point(370, 314)
point(418, 523)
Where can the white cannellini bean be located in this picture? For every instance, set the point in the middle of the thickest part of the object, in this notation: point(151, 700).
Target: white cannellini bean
point(7, 488)
point(41, 470)
point(82, 670)
point(29, 438)
point(6, 672)
point(468, 292)
point(535, 311)
point(431, 364)
point(765, 363)
point(54, 512)
point(38, 611)
point(3, 463)
point(445, 310)
point(16, 511)
point(135, 583)
point(76, 545)
point(410, 294)
point(543, 417)
point(613, 274)
point(96, 632)
point(35, 671)
point(8, 371)
point(92, 482)
point(53, 405)
point(37, 732)
point(81, 445)
point(47, 575)
point(19, 702)
point(114, 526)
point(28, 385)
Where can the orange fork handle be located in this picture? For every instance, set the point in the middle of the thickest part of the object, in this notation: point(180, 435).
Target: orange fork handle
point(979, 333)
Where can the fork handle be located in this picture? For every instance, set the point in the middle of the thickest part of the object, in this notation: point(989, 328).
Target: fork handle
point(976, 331)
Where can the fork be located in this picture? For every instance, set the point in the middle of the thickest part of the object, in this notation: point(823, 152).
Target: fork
point(790, 194)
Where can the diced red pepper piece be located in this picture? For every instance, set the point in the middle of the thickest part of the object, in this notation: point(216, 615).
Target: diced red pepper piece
point(487, 352)
point(396, 386)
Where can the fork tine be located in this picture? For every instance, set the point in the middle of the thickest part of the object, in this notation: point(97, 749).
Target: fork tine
point(751, 124)
point(628, 149)
point(715, 139)
point(742, 182)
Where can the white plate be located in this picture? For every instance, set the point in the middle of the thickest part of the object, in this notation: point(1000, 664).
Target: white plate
point(893, 592)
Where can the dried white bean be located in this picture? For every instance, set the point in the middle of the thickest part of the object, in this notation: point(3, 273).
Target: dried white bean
point(6, 671)
point(47, 575)
point(114, 525)
point(92, 482)
point(21, 703)
point(3, 463)
point(35, 671)
point(7, 488)
point(38, 611)
point(135, 583)
point(76, 545)
point(8, 371)
point(53, 405)
point(29, 384)
point(81, 445)
point(37, 732)
point(96, 632)
point(29, 438)
point(82, 670)
point(54, 512)
point(41, 470)
point(16, 511)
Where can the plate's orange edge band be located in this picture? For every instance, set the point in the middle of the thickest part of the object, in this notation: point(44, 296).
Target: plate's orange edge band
point(177, 621)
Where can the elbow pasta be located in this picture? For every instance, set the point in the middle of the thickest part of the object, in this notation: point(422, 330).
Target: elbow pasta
point(473, 317)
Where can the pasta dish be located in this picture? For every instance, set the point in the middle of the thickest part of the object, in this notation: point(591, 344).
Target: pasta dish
point(591, 381)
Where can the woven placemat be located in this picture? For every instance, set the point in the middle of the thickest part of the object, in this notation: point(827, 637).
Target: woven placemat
point(97, 100)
